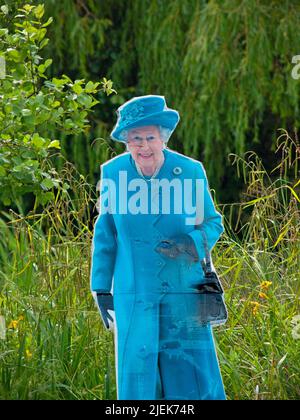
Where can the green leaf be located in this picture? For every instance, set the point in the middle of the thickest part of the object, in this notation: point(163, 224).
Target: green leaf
point(6, 86)
point(28, 86)
point(38, 141)
point(40, 34)
point(69, 124)
point(91, 87)
point(27, 154)
point(27, 8)
point(48, 62)
point(29, 122)
point(6, 201)
point(49, 21)
point(47, 184)
point(54, 143)
point(39, 11)
point(55, 104)
point(13, 54)
point(44, 197)
point(26, 138)
point(39, 99)
point(107, 86)
point(4, 9)
point(58, 82)
point(95, 102)
point(67, 78)
point(85, 100)
point(3, 158)
point(77, 88)
point(26, 112)
point(3, 32)
point(42, 67)
point(44, 43)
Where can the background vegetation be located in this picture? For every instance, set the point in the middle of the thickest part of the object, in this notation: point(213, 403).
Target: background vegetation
point(226, 66)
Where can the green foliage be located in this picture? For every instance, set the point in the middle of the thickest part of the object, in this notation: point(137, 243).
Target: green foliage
point(52, 345)
point(260, 344)
point(273, 196)
point(33, 107)
point(84, 42)
point(224, 64)
point(78, 35)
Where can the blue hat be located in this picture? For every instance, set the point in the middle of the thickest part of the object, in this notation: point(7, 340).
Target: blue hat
point(144, 110)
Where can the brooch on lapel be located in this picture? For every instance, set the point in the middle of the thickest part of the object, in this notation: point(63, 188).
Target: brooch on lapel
point(177, 170)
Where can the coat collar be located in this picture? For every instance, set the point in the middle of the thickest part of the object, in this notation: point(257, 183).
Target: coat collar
point(168, 170)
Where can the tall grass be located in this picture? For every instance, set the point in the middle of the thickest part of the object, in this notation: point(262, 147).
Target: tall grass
point(53, 345)
point(259, 347)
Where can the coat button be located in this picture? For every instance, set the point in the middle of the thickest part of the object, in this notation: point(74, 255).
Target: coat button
point(143, 352)
point(164, 286)
point(159, 263)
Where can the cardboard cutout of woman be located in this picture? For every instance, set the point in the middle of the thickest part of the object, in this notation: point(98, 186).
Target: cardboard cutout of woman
point(146, 252)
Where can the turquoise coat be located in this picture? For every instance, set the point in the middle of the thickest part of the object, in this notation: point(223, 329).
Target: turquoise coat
point(161, 351)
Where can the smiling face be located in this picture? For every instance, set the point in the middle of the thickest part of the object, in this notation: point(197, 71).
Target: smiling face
point(145, 146)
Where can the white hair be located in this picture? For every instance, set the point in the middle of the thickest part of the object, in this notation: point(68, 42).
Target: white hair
point(165, 134)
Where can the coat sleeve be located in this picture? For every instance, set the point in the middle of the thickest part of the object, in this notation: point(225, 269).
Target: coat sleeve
point(211, 226)
point(104, 245)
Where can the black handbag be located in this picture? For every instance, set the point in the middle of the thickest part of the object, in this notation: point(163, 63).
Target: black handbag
point(211, 307)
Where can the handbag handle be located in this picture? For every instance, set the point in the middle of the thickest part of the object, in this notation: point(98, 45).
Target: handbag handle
point(206, 263)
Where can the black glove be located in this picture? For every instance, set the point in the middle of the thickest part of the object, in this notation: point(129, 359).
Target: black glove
point(180, 245)
point(105, 304)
